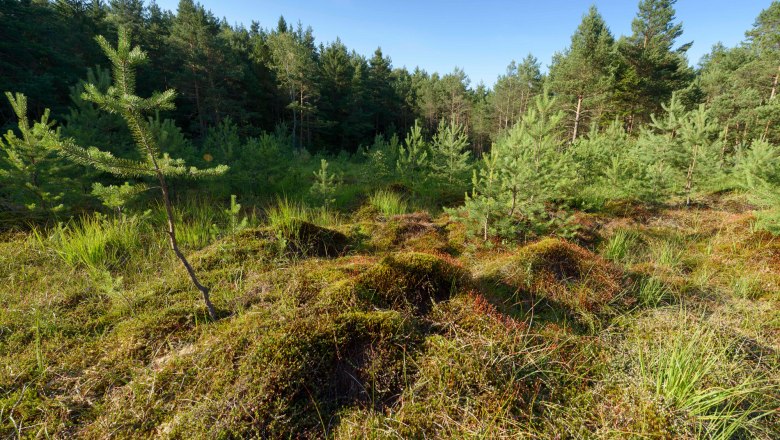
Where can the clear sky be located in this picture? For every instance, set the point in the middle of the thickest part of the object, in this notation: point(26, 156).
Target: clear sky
point(481, 37)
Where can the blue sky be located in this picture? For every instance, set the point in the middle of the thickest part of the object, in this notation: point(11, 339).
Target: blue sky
point(481, 37)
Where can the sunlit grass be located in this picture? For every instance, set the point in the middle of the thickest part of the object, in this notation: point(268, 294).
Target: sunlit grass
point(683, 367)
point(620, 246)
point(95, 242)
point(388, 203)
point(652, 292)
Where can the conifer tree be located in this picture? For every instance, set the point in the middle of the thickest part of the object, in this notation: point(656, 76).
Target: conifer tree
point(337, 76)
point(455, 96)
point(757, 170)
point(413, 154)
point(29, 166)
point(87, 124)
point(293, 62)
point(324, 187)
point(449, 152)
point(525, 170)
point(513, 92)
point(533, 167)
point(660, 146)
point(116, 197)
point(651, 67)
point(583, 73)
point(483, 206)
point(613, 167)
point(764, 39)
point(380, 91)
point(482, 123)
point(121, 99)
point(698, 134)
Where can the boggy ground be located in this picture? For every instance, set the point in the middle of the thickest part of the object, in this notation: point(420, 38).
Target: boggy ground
point(663, 323)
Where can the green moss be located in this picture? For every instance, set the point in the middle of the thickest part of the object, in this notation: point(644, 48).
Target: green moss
point(410, 281)
point(480, 374)
point(302, 239)
point(411, 232)
point(275, 380)
point(563, 273)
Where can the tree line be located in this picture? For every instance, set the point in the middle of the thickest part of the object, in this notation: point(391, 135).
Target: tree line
point(613, 116)
point(332, 99)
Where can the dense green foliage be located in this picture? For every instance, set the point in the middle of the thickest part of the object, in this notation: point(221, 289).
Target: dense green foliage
point(616, 118)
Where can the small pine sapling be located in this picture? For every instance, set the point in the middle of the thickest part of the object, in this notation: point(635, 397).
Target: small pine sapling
point(121, 99)
point(449, 154)
point(29, 166)
point(325, 185)
point(757, 170)
point(116, 197)
point(483, 206)
point(237, 223)
point(413, 155)
point(698, 133)
point(382, 156)
point(533, 166)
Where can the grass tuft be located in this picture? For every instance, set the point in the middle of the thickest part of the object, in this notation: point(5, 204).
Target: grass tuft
point(94, 242)
point(681, 368)
point(620, 245)
point(388, 203)
point(651, 292)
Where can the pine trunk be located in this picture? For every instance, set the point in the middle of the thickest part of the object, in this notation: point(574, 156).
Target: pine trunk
point(175, 247)
point(771, 97)
point(689, 177)
point(577, 118)
point(199, 108)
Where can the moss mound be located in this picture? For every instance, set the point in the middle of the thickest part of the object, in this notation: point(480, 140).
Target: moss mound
point(258, 377)
point(563, 273)
point(411, 232)
point(303, 239)
point(312, 240)
point(487, 362)
point(410, 281)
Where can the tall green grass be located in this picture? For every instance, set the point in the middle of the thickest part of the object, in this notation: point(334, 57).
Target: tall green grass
point(668, 253)
point(388, 203)
point(200, 222)
point(620, 245)
point(651, 292)
point(95, 242)
point(286, 216)
point(746, 286)
point(683, 368)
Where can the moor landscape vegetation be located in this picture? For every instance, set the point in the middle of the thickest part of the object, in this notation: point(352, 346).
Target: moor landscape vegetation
point(219, 231)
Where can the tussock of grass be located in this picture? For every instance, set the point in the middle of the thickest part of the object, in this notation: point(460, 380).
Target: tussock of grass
point(681, 368)
point(286, 216)
point(564, 273)
point(388, 203)
point(651, 292)
point(94, 242)
point(620, 245)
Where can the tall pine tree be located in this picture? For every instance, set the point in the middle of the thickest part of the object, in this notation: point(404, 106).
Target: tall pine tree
point(582, 76)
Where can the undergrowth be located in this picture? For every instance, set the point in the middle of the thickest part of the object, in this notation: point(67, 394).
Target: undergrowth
point(389, 326)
